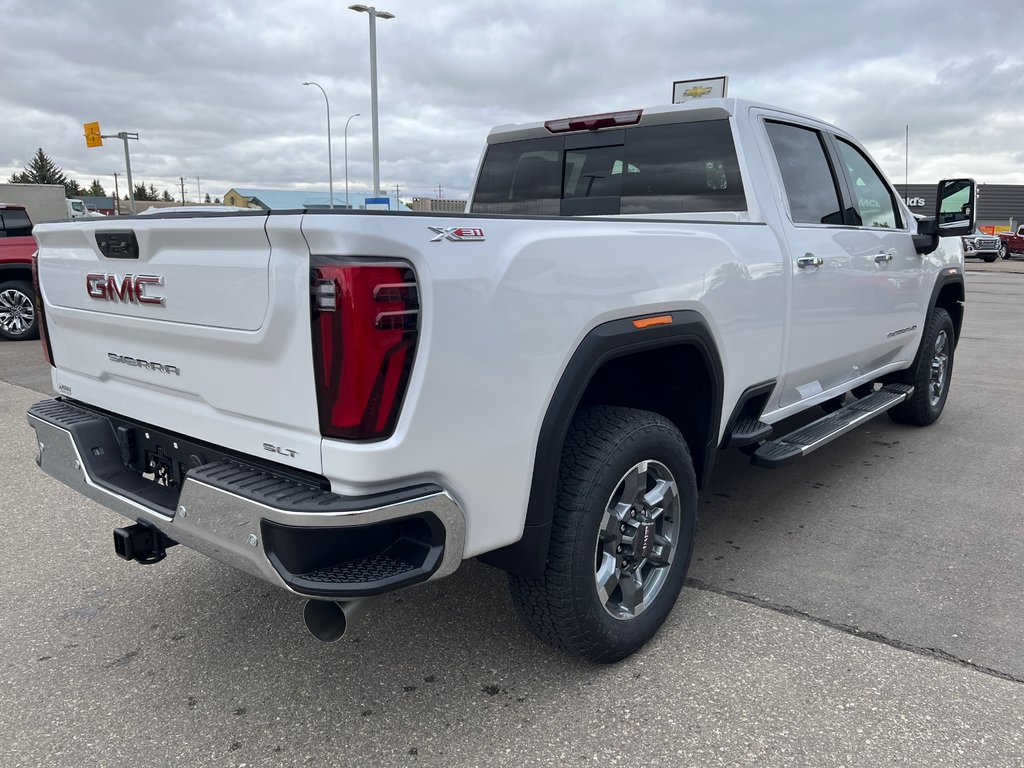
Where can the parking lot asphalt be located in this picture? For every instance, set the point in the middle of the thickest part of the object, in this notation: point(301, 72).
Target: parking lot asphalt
point(862, 607)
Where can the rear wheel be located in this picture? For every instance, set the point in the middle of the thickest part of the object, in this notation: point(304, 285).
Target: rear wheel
point(621, 537)
point(930, 375)
point(18, 311)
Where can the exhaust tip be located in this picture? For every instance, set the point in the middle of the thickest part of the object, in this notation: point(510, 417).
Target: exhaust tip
point(325, 620)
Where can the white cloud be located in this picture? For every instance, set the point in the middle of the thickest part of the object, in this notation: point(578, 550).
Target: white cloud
point(213, 89)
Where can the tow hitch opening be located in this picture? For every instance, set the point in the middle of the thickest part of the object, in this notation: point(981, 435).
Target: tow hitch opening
point(142, 543)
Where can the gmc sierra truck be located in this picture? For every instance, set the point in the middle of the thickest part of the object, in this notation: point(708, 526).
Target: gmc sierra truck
point(346, 403)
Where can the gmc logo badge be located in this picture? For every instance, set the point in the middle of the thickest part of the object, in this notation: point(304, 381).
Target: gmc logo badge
point(130, 289)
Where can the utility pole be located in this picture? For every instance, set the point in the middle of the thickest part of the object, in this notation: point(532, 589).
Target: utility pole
point(200, 189)
point(94, 138)
point(439, 191)
point(117, 196)
point(906, 166)
point(398, 199)
point(182, 180)
point(124, 136)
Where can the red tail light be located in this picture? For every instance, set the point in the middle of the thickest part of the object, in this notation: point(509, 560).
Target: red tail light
point(365, 322)
point(40, 314)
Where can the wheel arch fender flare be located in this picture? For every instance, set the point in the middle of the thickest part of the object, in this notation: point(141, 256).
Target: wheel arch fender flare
point(949, 293)
point(610, 340)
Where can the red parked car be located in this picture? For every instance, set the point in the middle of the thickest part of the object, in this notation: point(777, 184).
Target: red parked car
point(17, 297)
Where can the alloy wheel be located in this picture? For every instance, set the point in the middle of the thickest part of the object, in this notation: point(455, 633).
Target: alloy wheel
point(637, 540)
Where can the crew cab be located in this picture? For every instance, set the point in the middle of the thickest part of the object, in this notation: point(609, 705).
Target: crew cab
point(345, 403)
point(1011, 243)
point(17, 296)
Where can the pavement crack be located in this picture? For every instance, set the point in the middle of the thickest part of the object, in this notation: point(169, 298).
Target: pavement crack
point(920, 650)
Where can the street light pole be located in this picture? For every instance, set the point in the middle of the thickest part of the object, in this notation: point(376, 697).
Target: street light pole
point(374, 14)
point(347, 206)
point(330, 161)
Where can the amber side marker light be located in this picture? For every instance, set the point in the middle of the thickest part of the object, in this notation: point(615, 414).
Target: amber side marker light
point(647, 322)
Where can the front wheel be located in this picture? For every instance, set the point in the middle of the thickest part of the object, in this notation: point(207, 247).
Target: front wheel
point(1004, 251)
point(930, 374)
point(18, 311)
point(990, 259)
point(621, 537)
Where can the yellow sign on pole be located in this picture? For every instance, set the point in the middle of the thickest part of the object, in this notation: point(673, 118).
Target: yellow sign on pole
point(92, 135)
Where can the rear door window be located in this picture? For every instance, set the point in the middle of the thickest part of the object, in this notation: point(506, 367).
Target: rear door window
point(678, 168)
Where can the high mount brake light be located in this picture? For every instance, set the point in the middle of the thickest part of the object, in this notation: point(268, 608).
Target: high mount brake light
point(365, 317)
point(40, 314)
point(594, 122)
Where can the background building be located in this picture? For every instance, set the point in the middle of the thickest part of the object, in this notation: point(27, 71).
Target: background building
point(438, 205)
point(1000, 206)
point(104, 205)
point(298, 199)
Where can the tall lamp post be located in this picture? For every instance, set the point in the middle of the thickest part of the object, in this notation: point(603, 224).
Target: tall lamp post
point(347, 206)
point(374, 14)
point(330, 161)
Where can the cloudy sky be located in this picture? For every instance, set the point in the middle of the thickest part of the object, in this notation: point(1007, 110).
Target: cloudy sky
point(213, 88)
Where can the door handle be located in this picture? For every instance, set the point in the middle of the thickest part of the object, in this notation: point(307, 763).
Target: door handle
point(809, 261)
point(881, 258)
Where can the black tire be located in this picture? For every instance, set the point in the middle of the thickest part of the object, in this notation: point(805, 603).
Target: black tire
point(930, 374)
point(605, 448)
point(1004, 251)
point(990, 259)
point(18, 318)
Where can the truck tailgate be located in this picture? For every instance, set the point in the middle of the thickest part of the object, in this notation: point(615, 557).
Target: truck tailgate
point(188, 324)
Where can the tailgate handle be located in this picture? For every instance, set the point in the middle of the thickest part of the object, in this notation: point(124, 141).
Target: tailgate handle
point(118, 245)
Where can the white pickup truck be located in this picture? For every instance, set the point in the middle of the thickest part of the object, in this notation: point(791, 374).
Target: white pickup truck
point(347, 403)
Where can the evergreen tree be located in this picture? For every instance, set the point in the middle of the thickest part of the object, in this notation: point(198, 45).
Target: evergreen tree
point(42, 170)
point(141, 193)
point(96, 190)
point(216, 200)
point(153, 195)
point(207, 198)
point(166, 197)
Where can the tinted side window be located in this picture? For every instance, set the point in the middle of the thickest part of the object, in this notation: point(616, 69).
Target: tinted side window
point(806, 174)
point(873, 199)
point(679, 168)
point(15, 223)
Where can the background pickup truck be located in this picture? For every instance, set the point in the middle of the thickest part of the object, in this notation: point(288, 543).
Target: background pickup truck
point(347, 403)
point(17, 296)
point(1011, 243)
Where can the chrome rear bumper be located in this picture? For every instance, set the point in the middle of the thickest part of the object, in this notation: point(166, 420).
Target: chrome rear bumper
point(292, 534)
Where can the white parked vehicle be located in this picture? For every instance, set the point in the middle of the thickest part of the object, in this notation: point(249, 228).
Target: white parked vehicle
point(346, 403)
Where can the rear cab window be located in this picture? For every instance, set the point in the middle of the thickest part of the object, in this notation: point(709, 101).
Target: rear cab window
point(688, 167)
point(14, 222)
